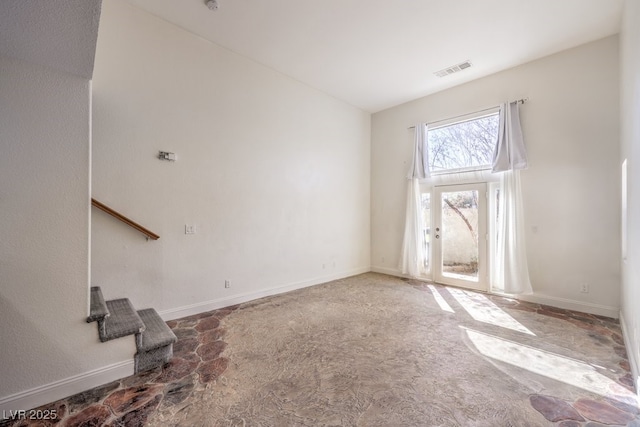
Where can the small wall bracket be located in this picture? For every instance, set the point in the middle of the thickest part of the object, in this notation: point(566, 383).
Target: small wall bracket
point(166, 155)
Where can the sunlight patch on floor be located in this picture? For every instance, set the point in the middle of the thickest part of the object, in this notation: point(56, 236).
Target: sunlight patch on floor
point(444, 305)
point(551, 365)
point(484, 310)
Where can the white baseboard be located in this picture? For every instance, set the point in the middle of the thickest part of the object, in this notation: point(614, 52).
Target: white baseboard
point(633, 361)
point(57, 390)
point(201, 307)
point(390, 272)
point(581, 306)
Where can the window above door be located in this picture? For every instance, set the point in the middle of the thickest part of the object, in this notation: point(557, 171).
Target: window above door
point(463, 145)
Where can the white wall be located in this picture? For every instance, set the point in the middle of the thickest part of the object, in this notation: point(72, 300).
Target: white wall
point(44, 237)
point(630, 115)
point(571, 190)
point(274, 174)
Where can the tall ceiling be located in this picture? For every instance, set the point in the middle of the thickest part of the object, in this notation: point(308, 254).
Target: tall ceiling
point(375, 54)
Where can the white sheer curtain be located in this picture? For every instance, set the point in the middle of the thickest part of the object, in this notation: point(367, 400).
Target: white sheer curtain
point(412, 254)
point(511, 267)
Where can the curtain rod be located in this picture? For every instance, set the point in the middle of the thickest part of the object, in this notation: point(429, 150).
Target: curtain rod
point(517, 101)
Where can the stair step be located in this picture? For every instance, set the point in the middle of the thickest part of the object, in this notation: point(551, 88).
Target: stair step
point(157, 333)
point(118, 318)
point(155, 344)
point(98, 308)
point(122, 321)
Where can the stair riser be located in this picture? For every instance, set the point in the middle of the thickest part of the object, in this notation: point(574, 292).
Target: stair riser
point(138, 340)
point(98, 307)
point(157, 357)
point(102, 331)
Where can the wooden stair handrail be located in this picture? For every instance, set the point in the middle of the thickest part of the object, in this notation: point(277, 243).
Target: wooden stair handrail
point(150, 234)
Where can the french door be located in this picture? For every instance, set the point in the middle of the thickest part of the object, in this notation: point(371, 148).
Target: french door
point(456, 235)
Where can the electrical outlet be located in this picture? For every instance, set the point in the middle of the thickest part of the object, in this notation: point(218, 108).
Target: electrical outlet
point(189, 229)
point(227, 283)
point(584, 288)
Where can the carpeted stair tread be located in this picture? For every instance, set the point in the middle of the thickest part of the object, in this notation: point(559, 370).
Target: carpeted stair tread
point(122, 321)
point(98, 308)
point(157, 333)
point(118, 318)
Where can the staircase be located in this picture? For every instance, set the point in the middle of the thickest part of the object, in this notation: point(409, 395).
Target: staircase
point(118, 318)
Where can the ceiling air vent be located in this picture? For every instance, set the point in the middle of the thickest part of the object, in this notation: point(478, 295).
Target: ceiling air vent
point(453, 69)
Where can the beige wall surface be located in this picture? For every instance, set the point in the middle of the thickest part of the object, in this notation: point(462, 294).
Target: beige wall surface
point(273, 174)
point(630, 108)
point(571, 189)
point(44, 229)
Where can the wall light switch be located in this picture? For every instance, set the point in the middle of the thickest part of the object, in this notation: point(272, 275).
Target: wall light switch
point(189, 229)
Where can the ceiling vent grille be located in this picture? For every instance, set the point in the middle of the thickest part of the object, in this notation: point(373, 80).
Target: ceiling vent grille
point(453, 69)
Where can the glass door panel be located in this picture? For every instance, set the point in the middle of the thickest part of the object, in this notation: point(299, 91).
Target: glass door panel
point(459, 236)
point(426, 231)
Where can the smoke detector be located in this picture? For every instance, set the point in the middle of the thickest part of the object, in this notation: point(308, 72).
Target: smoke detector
point(453, 69)
point(213, 4)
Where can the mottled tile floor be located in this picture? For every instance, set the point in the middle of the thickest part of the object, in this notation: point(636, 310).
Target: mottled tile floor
point(374, 350)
